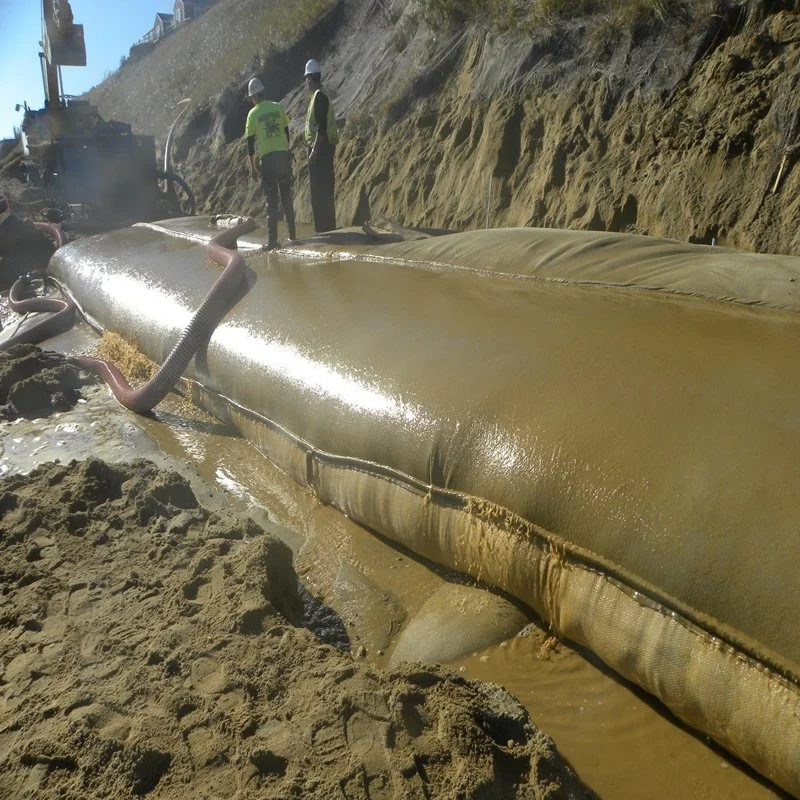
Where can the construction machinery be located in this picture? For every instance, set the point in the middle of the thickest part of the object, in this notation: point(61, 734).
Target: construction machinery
point(89, 168)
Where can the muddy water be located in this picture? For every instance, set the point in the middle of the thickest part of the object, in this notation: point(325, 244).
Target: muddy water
point(620, 744)
point(617, 741)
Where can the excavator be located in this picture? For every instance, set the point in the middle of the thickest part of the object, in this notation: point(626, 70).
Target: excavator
point(89, 169)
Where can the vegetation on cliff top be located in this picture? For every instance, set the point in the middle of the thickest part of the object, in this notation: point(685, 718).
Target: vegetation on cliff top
point(612, 16)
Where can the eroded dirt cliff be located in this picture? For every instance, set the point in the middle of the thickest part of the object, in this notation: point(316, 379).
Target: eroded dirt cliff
point(683, 130)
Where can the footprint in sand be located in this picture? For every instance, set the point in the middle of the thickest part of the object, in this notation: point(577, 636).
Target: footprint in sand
point(206, 583)
point(207, 676)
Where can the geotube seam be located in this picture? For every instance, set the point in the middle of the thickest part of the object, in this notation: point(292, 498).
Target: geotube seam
point(496, 516)
point(345, 255)
point(443, 266)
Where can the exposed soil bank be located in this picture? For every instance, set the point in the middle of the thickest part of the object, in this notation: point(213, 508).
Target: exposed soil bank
point(688, 129)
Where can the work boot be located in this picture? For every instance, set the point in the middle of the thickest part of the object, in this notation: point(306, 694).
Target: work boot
point(288, 208)
point(272, 233)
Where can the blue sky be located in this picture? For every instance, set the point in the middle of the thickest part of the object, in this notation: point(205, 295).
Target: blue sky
point(110, 28)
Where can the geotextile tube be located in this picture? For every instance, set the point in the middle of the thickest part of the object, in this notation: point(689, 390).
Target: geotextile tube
point(605, 426)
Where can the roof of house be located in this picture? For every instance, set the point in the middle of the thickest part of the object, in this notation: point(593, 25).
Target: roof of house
point(164, 17)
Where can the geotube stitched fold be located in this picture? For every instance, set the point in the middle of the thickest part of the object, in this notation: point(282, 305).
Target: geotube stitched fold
point(606, 426)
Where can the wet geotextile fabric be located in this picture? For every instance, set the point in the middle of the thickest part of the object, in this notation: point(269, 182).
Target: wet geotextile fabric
point(584, 420)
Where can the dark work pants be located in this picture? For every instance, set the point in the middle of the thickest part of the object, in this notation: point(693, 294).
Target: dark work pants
point(276, 178)
point(322, 183)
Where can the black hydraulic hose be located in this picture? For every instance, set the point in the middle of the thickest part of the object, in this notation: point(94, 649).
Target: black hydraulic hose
point(199, 330)
point(171, 177)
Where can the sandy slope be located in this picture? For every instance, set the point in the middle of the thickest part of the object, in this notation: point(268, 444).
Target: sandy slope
point(678, 130)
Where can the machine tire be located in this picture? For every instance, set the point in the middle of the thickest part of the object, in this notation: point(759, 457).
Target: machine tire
point(183, 203)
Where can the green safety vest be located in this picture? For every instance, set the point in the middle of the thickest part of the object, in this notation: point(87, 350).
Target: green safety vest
point(311, 124)
point(267, 122)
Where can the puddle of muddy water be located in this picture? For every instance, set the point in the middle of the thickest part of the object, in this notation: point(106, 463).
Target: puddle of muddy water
point(620, 744)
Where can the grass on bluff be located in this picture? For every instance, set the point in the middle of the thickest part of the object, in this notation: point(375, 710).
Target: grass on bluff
point(257, 28)
point(232, 38)
point(530, 15)
point(248, 37)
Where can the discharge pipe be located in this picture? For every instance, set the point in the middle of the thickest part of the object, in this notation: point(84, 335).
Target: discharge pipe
point(168, 143)
point(199, 330)
point(53, 231)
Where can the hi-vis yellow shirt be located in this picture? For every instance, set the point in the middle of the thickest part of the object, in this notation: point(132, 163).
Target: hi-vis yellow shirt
point(267, 122)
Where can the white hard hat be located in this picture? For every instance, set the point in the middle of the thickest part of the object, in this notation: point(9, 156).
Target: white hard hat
point(312, 67)
point(254, 87)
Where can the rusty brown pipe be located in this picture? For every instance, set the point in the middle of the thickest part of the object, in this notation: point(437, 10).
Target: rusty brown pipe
point(52, 230)
point(199, 330)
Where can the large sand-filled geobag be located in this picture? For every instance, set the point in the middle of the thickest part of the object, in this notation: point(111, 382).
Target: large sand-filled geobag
point(605, 426)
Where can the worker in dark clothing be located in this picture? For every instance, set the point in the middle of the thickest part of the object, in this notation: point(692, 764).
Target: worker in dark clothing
point(267, 132)
point(321, 136)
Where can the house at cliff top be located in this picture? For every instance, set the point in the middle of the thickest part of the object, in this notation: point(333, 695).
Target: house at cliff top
point(163, 25)
point(183, 11)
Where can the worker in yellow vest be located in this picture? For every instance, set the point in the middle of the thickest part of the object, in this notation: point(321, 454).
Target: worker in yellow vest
point(321, 136)
point(267, 133)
